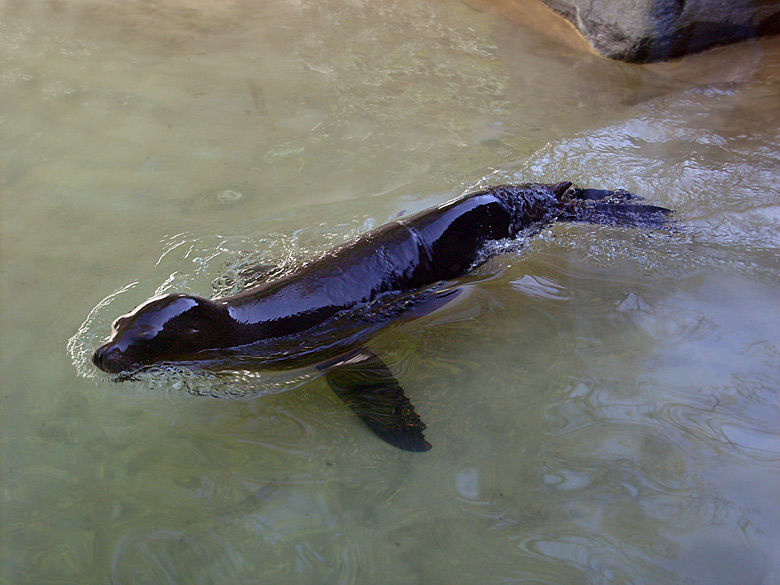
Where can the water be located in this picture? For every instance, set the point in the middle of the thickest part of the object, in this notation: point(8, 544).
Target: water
point(602, 404)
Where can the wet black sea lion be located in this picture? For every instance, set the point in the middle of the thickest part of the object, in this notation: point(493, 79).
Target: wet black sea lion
point(323, 313)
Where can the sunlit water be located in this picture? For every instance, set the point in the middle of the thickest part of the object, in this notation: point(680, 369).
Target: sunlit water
point(602, 404)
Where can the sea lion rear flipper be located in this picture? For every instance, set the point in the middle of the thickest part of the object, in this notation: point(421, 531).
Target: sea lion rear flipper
point(611, 208)
point(631, 215)
point(367, 386)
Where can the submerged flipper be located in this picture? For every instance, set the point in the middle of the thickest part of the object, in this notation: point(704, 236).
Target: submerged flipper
point(367, 386)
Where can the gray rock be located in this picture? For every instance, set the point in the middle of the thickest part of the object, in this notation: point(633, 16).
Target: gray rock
point(641, 31)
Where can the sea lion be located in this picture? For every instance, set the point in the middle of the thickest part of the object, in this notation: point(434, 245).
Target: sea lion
point(322, 313)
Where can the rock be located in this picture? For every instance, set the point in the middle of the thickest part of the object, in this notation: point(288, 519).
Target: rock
point(641, 31)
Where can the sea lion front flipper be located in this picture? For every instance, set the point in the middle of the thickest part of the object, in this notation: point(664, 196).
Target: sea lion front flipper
point(367, 386)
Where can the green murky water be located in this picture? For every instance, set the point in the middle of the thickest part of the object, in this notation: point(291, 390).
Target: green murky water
point(603, 404)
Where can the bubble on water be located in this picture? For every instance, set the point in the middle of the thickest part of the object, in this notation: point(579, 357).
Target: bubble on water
point(229, 196)
point(467, 483)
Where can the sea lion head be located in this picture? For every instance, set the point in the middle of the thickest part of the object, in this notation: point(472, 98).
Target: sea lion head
point(172, 328)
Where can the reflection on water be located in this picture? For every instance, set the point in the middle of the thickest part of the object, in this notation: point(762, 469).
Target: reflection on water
point(602, 402)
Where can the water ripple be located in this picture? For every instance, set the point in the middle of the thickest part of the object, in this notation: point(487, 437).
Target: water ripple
point(168, 556)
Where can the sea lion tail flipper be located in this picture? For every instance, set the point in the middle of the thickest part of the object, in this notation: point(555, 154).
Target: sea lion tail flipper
point(367, 386)
point(624, 214)
point(610, 208)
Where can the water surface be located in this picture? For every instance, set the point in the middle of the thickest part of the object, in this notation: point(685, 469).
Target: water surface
point(603, 403)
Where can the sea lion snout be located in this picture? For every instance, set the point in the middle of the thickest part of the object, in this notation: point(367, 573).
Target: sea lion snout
point(108, 358)
point(112, 360)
